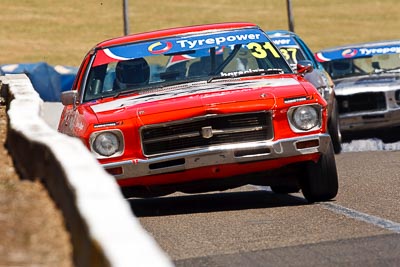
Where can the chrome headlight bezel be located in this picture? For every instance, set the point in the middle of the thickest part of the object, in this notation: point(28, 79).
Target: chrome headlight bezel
point(312, 121)
point(118, 144)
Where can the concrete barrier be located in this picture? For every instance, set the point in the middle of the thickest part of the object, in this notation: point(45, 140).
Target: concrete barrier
point(103, 229)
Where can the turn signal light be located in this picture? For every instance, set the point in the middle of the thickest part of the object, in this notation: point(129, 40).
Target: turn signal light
point(115, 171)
point(307, 144)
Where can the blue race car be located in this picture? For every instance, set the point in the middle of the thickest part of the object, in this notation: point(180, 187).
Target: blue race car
point(367, 79)
point(294, 49)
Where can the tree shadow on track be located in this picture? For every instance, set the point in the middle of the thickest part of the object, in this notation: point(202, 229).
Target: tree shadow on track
point(212, 202)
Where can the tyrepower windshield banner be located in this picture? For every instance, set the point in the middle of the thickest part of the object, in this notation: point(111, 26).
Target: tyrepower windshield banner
point(358, 52)
point(176, 45)
point(284, 41)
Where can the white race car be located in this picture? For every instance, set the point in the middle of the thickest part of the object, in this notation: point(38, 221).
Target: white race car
point(367, 84)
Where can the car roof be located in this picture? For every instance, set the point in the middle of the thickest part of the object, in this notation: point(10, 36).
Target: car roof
point(358, 50)
point(172, 32)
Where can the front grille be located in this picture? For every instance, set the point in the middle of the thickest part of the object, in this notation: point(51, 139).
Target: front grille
point(397, 97)
point(370, 101)
point(206, 131)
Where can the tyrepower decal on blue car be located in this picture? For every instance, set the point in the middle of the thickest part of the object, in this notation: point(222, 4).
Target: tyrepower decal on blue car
point(284, 41)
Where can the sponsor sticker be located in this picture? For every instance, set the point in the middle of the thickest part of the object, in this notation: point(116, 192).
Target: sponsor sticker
point(180, 44)
point(380, 50)
point(160, 47)
point(357, 52)
point(221, 40)
point(283, 41)
point(348, 53)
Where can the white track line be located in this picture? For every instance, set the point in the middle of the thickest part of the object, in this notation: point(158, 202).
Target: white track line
point(377, 221)
point(374, 220)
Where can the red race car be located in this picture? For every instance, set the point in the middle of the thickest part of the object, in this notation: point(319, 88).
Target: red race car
point(201, 108)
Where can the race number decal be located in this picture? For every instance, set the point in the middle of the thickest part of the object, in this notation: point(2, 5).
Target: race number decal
point(289, 53)
point(261, 50)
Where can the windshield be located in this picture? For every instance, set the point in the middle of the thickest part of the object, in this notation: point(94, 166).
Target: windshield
point(362, 66)
point(181, 59)
point(292, 54)
point(290, 49)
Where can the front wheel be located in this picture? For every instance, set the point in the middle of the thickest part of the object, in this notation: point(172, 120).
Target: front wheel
point(320, 182)
point(334, 129)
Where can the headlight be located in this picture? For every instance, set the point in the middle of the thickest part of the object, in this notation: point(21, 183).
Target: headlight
point(304, 118)
point(107, 143)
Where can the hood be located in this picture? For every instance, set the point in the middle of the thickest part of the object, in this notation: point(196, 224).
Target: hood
point(367, 83)
point(200, 98)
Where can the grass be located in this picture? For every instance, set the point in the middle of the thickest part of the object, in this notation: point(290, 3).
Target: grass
point(61, 32)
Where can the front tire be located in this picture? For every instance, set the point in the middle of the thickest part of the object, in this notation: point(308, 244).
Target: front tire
point(334, 129)
point(321, 180)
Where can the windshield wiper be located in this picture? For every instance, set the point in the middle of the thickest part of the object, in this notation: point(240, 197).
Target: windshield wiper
point(391, 70)
point(379, 70)
point(124, 92)
point(245, 73)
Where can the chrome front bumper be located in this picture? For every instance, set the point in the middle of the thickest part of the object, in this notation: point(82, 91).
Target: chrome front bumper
point(223, 154)
point(369, 120)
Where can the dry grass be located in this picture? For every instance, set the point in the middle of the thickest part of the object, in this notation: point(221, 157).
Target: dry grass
point(61, 32)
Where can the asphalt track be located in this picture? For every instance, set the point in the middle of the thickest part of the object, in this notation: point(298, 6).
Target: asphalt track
point(252, 226)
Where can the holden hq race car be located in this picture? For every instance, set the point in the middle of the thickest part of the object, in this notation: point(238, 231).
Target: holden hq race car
point(295, 50)
point(201, 108)
point(367, 79)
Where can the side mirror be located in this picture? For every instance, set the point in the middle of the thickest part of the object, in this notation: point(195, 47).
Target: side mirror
point(304, 66)
point(69, 97)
